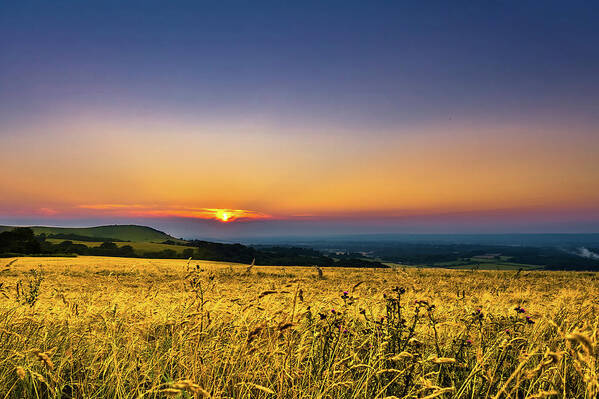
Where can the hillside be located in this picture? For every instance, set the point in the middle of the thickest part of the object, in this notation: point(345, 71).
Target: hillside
point(111, 242)
point(116, 232)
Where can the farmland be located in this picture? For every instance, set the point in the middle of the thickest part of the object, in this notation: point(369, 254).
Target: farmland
point(127, 328)
point(140, 248)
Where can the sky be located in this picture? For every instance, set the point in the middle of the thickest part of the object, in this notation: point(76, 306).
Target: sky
point(229, 118)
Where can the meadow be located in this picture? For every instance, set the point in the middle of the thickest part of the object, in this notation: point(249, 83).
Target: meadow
point(140, 248)
point(95, 327)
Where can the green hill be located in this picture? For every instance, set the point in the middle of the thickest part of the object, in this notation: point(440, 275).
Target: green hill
point(116, 232)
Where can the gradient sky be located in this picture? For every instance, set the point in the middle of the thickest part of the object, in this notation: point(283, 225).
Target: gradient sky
point(330, 116)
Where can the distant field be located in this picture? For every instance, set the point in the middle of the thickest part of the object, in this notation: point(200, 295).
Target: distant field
point(482, 264)
point(138, 247)
point(487, 264)
point(155, 328)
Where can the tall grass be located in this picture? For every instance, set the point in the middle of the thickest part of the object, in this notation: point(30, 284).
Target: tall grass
point(131, 328)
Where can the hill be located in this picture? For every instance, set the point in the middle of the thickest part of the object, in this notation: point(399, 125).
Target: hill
point(131, 233)
point(69, 241)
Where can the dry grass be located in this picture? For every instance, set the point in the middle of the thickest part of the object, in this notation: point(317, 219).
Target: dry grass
point(129, 328)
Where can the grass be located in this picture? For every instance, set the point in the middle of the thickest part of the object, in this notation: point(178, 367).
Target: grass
point(470, 265)
point(496, 265)
point(119, 232)
point(93, 327)
point(138, 247)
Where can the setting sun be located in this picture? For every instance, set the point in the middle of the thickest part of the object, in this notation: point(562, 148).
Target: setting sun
point(229, 215)
point(222, 215)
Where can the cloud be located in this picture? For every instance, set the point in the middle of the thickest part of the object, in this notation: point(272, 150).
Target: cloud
point(137, 210)
point(102, 207)
point(586, 253)
point(47, 212)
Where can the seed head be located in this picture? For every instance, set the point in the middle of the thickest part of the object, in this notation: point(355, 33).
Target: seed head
point(20, 372)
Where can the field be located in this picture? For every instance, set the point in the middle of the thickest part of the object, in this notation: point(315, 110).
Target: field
point(471, 265)
point(139, 247)
point(93, 327)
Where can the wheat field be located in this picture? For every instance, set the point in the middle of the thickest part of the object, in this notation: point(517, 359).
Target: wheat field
point(93, 327)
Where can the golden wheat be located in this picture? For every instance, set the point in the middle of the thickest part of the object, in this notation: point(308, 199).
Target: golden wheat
point(134, 328)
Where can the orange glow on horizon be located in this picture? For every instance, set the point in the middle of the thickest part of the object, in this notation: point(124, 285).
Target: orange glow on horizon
point(265, 176)
point(223, 215)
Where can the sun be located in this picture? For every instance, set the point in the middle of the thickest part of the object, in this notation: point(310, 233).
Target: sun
point(228, 215)
point(223, 215)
